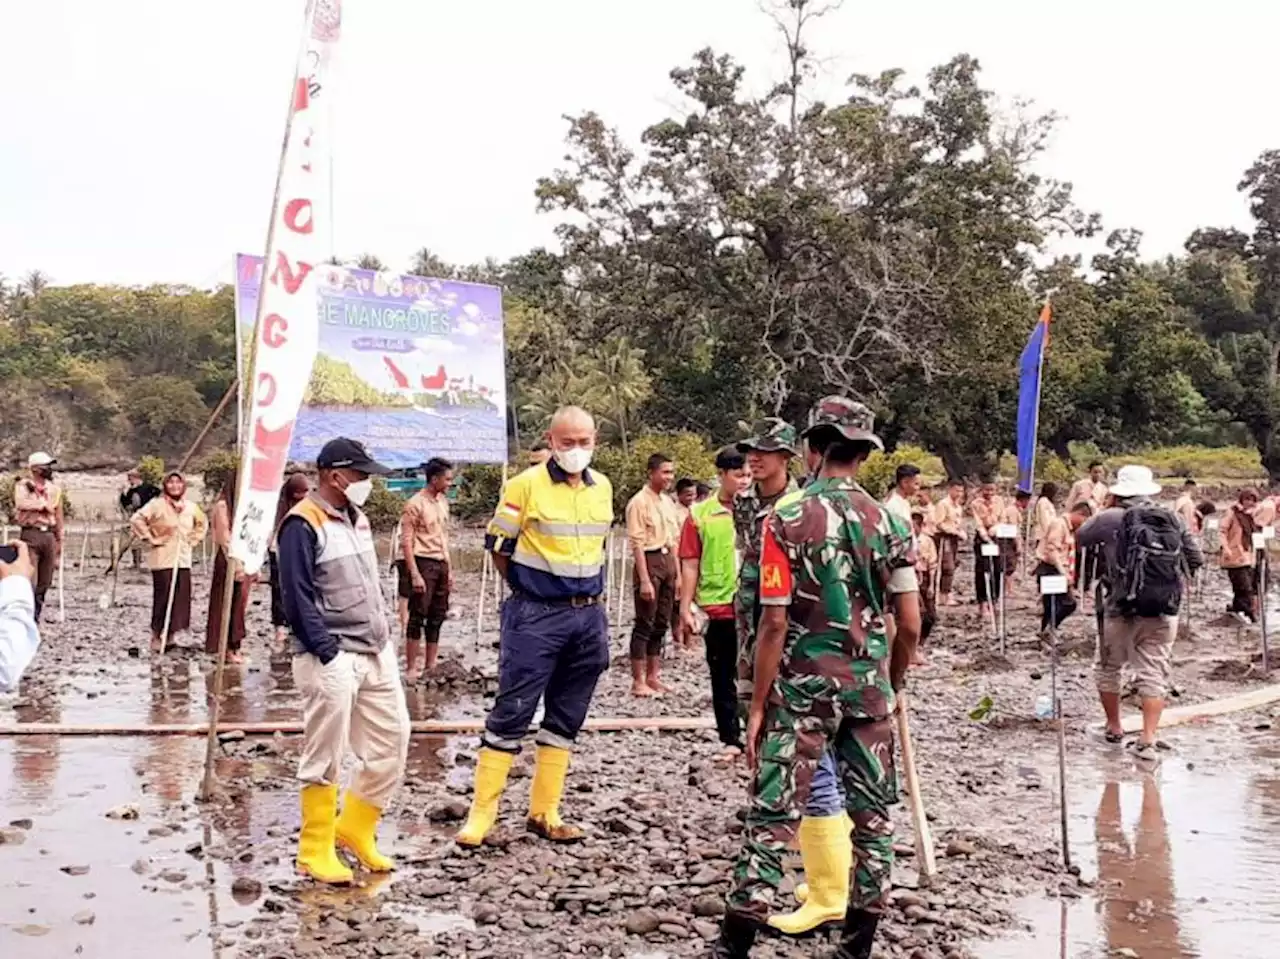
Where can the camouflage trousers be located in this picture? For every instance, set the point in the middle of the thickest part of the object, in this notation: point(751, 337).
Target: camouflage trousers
point(793, 745)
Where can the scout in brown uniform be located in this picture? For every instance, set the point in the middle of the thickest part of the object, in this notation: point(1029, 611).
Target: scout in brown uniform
point(926, 574)
point(986, 510)
point(1236, 554)
point(37, 505)
point(948, 523)
point(653, 531)
point(1012, 514)
point(424, 545)
point(172, 526)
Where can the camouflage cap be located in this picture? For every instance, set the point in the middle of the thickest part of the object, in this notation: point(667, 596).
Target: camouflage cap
point(771, 435)
point(851, 419)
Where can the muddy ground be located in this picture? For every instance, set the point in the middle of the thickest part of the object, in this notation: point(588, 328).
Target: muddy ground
point(662, 817)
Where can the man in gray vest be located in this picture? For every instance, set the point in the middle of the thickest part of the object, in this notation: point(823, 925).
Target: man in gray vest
point(343, 665)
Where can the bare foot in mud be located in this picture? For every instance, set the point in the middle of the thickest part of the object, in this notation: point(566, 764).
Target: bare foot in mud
point(642, 691)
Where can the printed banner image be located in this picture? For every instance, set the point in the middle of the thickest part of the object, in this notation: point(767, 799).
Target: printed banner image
point(412, 367)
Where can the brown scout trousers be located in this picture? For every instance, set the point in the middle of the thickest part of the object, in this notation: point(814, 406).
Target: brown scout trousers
point(653, 617)
point(42, 544)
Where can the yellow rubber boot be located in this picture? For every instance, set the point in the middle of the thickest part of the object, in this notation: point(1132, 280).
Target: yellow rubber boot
point(827, 853)
point(802, 891)
point(317, 857)
point(356, 831)
point(544, 796)
point(492, 767)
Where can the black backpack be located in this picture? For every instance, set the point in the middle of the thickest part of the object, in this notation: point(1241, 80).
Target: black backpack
point(1149, 562)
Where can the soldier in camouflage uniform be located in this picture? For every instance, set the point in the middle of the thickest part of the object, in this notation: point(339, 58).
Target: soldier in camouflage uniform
point(769, 455)
point(825, 848)
point(825, 674)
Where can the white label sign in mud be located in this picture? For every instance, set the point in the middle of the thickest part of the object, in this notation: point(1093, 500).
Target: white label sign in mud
point(1006, 531)
point(1259, 541)
point(1053, 585)
point(1268, 532)
point(1211, 524)
point(990, 549)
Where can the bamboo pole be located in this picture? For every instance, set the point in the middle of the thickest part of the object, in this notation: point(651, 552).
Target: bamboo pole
point(484, 580)
point(924, 837)
point(232, 390)
point(84, 547)
point(431, 727)
point(173, 591)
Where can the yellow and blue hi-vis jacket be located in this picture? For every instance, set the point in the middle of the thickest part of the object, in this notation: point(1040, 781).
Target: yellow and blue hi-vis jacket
point(553, 532)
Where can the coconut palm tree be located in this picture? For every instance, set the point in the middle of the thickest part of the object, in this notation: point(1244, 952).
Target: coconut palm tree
point(623, 383)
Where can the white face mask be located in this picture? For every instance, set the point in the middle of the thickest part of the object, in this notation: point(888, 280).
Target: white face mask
point(357, 493)
point(573, 460)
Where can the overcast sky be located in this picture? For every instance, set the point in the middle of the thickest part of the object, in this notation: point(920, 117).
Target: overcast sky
point(139, 138)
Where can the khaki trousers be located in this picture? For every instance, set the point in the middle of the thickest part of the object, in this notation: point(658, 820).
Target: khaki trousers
point(354, 701)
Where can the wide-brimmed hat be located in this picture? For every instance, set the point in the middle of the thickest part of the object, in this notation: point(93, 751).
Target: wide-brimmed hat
point(40, 459)
point(1135, 481)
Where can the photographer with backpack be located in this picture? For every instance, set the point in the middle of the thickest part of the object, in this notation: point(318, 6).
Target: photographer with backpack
point(1148, 551)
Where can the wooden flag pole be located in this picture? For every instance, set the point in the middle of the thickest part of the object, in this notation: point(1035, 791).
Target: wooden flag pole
point(215, 699)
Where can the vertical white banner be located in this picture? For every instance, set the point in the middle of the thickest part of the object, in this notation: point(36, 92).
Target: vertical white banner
point(286, 333)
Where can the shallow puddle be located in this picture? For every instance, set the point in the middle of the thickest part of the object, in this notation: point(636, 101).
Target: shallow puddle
point(1185, 861)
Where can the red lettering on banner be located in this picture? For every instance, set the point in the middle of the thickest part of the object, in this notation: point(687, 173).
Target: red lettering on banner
point(301, 95)
point(270, 453)
point(266, 389)
point(293, 212)
point(274, 328)
point(291, 280)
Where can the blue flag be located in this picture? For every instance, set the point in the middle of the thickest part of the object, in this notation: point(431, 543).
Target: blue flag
point(1030, 367)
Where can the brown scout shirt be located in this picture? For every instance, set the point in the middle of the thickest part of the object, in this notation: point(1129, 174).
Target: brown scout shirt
point(424, 526)
point(38, 506)
point(652, 521)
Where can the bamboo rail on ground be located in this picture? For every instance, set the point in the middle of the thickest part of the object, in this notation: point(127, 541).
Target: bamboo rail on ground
point(1214, 707)
point(429, 727)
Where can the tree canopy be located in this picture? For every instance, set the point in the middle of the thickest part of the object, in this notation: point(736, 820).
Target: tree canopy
point(750, 253)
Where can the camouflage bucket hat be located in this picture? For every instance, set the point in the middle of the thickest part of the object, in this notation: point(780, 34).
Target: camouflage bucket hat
point(771, 435)
point(850, 419)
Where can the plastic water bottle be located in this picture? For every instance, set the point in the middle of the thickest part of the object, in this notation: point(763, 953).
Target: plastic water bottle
point(1044, 707)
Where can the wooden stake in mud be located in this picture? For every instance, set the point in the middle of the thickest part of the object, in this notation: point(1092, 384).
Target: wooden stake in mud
point(62, 607)
point(622, 581)
point(84, 546)
point(919, 820)
point(484, 581)
point(1260, 542)
point(1053, 587)
point(215, 700)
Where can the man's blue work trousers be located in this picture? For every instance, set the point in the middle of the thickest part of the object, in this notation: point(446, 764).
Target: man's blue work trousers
point(552, 651)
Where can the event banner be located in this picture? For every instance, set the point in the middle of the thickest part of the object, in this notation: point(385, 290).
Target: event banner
point(280, 330)
point(410, 366)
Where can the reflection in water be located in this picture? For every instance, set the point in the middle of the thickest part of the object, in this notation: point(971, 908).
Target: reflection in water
point(170, 703)
point(1139, 911)
point(1185, 860)
point(35, 760)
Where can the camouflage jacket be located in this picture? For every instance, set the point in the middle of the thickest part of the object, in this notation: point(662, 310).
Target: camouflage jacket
point(828, 556)
point(749, 512)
